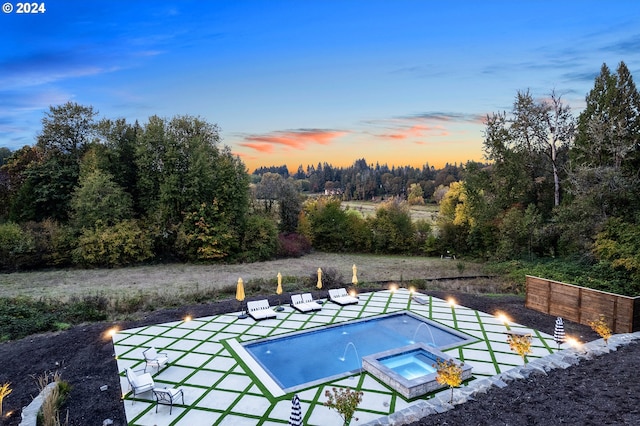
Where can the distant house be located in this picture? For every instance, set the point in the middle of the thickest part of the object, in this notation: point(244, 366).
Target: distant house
point(333, 191)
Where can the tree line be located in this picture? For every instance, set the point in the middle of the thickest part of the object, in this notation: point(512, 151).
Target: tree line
point(366, 182)
point(101, 192)
point(557, 185)
point(108, 192)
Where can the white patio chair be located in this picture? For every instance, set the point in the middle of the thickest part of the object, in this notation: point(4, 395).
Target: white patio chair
point(156, 359)
point(139, 384)
point(167, 396)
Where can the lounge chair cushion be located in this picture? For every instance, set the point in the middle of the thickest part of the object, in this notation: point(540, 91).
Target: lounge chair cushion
point(340, 297)
point(308, 299)
point(304, 303)
point(260, 309)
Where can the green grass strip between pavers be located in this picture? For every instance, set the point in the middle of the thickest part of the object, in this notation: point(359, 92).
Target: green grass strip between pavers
point(486, 339)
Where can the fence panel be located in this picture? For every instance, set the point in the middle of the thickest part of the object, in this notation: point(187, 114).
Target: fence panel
point(582, 304)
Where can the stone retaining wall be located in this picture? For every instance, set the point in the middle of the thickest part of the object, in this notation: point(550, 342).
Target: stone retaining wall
point(561, 359)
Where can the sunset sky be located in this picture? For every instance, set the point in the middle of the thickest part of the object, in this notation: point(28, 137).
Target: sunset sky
point(300, 82)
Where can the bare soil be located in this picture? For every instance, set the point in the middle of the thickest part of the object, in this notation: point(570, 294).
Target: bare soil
point(598, 391)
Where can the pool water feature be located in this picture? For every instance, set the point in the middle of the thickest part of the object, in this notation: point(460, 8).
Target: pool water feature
point(306, 358)
point(410, 370)
point(410, 365)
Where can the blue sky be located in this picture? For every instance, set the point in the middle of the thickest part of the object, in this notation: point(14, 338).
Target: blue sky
point(301, 82)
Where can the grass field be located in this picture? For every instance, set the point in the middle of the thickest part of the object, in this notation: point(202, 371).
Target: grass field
point(427, 212)
point(176, 279)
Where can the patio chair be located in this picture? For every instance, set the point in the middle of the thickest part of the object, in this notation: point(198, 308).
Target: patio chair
point(153, 358)
point(308, 299)
point(260, 309)
point(139, 384)
point(167, 396)
point(340, 297)
point(298, 304)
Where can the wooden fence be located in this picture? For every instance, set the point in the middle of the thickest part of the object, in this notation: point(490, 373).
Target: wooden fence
point(582, 304)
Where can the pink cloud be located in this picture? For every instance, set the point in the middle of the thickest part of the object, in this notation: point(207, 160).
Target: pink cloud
point(297, 139)
point(415, 131)
point(260, 147)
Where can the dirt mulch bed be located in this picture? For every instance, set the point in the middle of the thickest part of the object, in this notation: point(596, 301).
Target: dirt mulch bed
point(598, 391)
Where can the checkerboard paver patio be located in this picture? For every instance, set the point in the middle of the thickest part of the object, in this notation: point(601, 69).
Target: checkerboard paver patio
point(222, 387)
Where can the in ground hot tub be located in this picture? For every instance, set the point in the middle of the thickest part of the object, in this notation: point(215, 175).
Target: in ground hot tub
point(409, 370)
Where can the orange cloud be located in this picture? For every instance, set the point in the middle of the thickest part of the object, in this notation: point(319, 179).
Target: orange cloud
point(297, 139)
point(415, 131)
point(260, 147)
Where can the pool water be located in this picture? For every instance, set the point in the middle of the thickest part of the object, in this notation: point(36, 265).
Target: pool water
point(410, 365)
point(306, 358)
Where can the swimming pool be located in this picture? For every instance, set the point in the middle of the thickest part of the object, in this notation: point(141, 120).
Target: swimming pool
point(307, 358)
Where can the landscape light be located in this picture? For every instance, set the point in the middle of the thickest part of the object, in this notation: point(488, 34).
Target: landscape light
point(111, 332)
point(393, 288)
point(502, 317)
point(451, 301)
point(412, 290)
point(187, 318)
point(573, 342)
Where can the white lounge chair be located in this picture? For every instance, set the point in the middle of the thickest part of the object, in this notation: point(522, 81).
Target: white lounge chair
point(304, 303)
point(341, 297)
point(260, 309)
point(153, 358)
point(308, 299)
point(298, 304)
point(139, 384)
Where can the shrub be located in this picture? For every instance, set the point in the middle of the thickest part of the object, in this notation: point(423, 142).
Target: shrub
point(601, 327)
point(331, 278)
point(423, 233)
point(344, 401)
point(326, 224)
point(16, 246)
point(206, 234)
point(21, 316)
point(449, 373)
point(54, 243)
point(260, 239)
point(87, 308)
point(393, 230)
point(520, 344)
point(122, 244)
point(293, 245)
point(618, 244)
point(49, 414)
point(359, 236)
point(4, 391)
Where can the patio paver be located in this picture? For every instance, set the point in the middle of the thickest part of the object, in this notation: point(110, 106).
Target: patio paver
point(222, 386)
